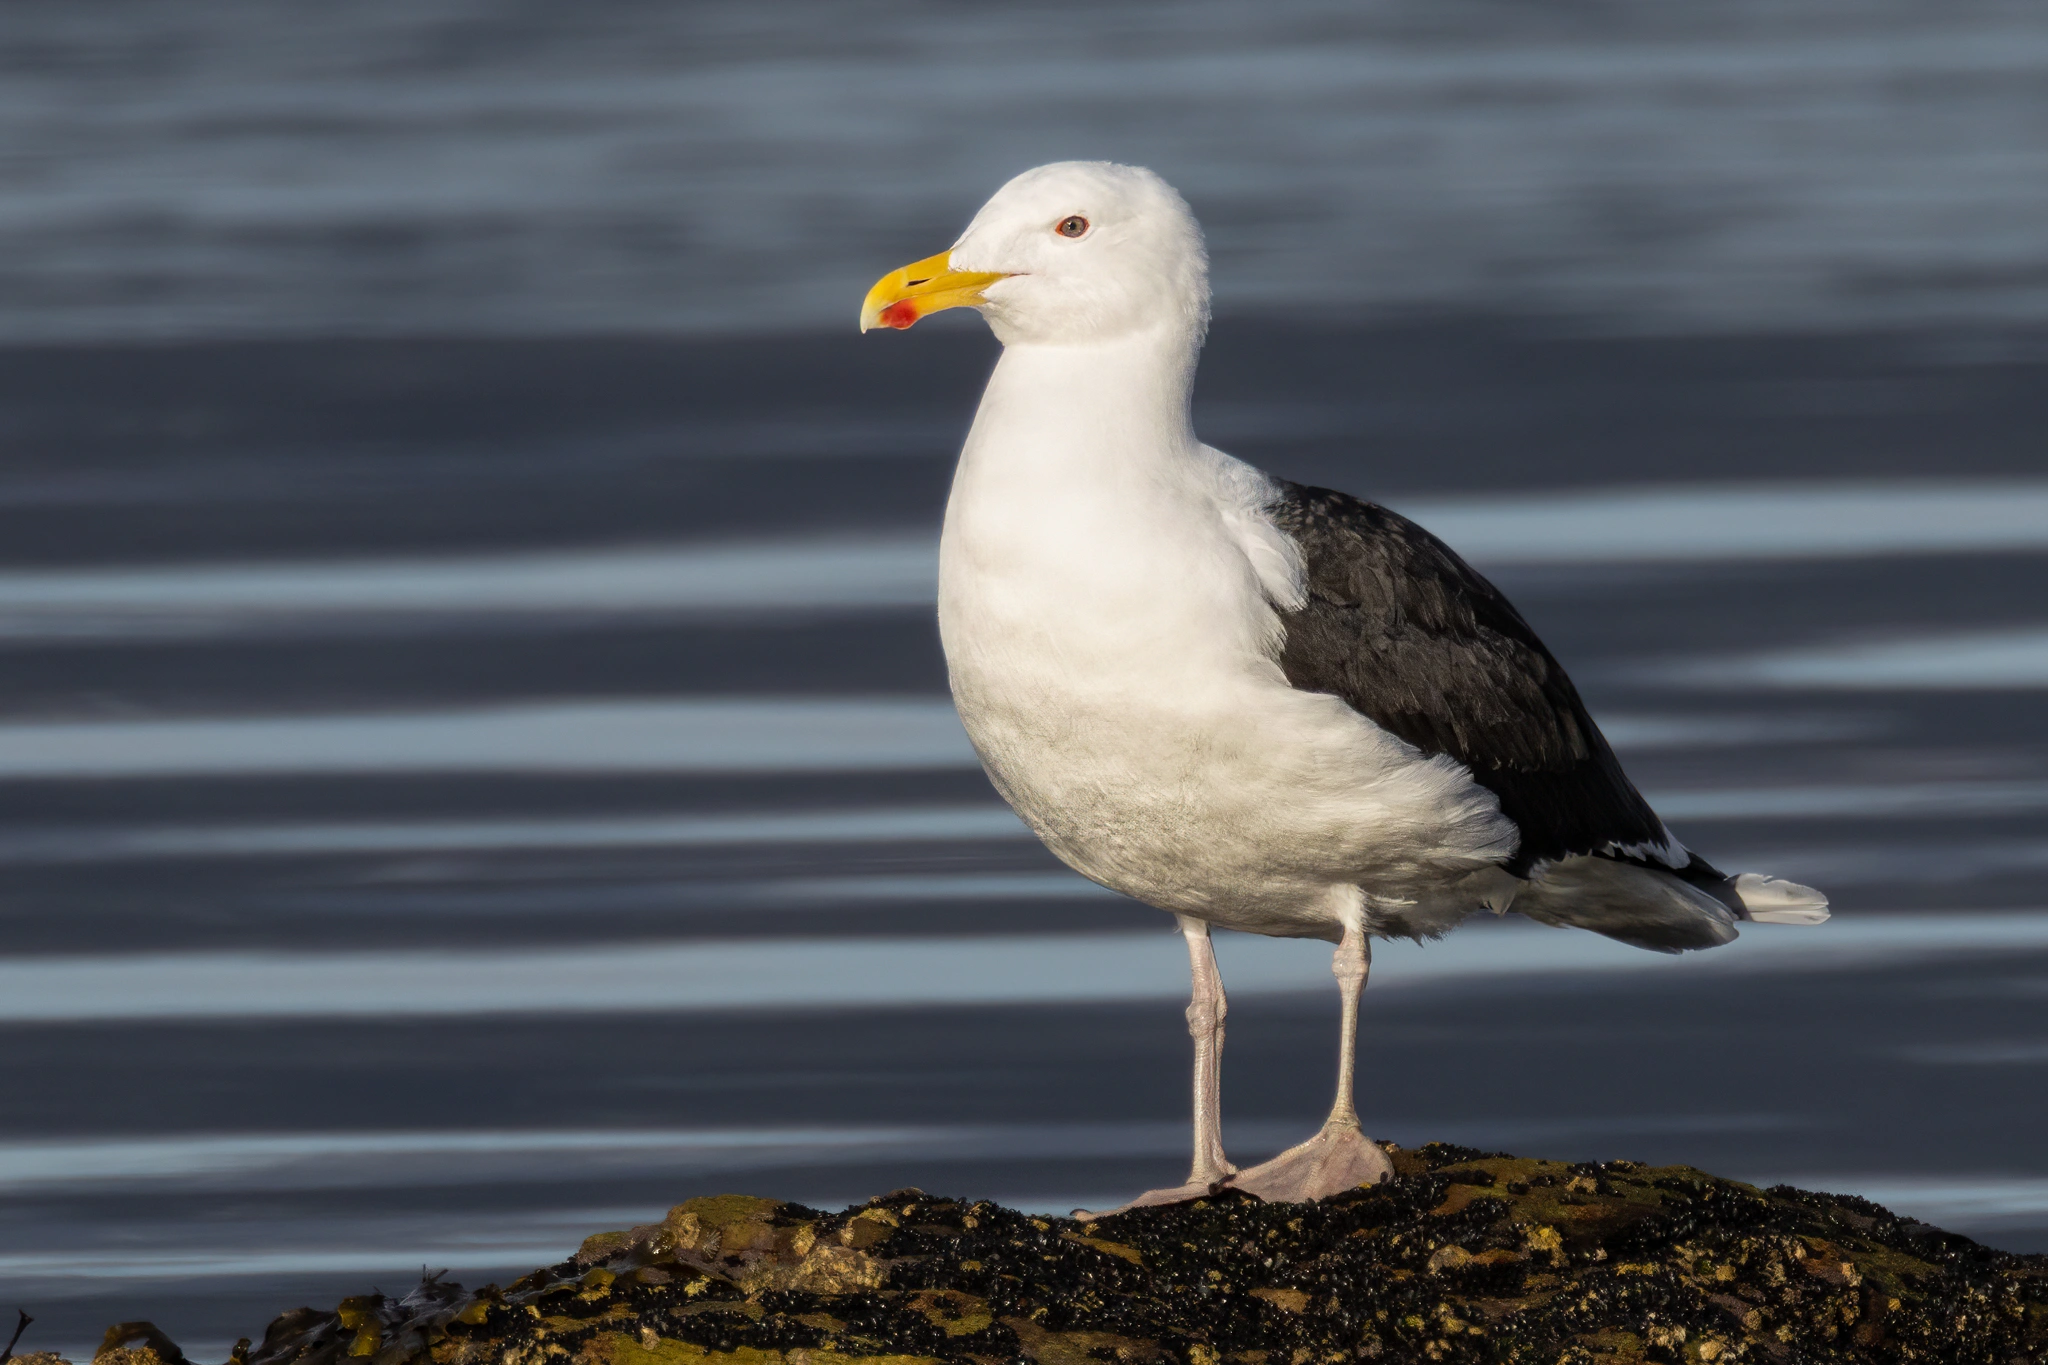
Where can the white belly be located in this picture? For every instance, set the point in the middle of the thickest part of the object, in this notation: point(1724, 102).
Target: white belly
point(1115, 673)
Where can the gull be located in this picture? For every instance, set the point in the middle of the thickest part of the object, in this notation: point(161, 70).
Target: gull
point(1255, 705)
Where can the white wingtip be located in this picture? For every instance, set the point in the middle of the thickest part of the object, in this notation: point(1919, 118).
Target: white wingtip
point(1768, 900)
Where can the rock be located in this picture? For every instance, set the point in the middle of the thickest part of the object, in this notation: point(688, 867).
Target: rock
point(1464, 1256)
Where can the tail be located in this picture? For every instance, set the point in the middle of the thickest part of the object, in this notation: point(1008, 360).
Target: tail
point(1767, 900)
point(1662, 910)
point(1646, 907)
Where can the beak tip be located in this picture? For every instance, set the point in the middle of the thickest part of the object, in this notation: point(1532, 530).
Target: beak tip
point(896, 316)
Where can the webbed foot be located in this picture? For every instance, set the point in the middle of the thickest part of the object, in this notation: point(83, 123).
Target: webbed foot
point(1338, 1158)
point(1177, 1194)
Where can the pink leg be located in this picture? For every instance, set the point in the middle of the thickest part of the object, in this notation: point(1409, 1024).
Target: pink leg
point(1206, 1011)
point(1351, 964)
point(1340, 1157)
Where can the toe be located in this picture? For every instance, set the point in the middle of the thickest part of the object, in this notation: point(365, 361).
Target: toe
point(1177, 1194)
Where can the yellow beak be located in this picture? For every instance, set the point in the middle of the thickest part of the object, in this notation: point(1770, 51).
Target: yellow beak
point(903, 296)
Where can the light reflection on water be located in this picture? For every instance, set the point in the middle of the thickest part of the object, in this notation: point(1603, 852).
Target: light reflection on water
point(621, 831)
point(58, 845)
point(693, 735)
point(2009, 659)
point(826, 974)
point(716, 735)
point(1710, 524)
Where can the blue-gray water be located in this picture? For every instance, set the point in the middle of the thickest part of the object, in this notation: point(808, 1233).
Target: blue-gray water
point(436, 166)
point(488, 779)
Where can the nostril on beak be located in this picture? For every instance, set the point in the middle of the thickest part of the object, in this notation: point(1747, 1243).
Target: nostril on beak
point(912, 284)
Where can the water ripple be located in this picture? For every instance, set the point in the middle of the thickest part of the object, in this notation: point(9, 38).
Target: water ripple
point(826, 973)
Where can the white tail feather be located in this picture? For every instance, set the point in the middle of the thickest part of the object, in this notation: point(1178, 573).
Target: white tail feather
point(1768, 900)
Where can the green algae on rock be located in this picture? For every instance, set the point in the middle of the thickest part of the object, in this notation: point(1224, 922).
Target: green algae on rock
point(1465, 1256)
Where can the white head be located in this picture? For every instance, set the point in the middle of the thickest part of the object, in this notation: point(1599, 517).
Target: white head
point(1074, 252)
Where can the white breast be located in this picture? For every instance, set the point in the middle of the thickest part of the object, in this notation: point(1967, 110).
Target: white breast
point(1105, 598)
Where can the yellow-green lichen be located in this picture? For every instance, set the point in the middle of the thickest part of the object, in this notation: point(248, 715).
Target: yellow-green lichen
point(614, 1348)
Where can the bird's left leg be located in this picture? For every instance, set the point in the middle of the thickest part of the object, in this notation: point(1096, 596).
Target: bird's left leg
point(1340, 1157)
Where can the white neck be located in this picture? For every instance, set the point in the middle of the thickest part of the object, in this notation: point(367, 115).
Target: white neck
point(1061, 410)
point(1083, 503)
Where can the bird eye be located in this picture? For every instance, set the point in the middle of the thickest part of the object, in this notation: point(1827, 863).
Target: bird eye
point(1073, 227)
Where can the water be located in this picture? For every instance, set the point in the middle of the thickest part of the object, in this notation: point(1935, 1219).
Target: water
point(429, 166)
point(435, 841)
point(474, 752)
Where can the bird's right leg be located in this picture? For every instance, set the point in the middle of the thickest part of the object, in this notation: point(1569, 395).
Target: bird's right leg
point(1206, 1010)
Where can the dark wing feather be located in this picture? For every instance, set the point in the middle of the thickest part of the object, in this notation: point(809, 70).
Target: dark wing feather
point(1411, 636)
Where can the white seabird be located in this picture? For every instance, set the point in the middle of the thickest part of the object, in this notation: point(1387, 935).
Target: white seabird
point(1256, 705)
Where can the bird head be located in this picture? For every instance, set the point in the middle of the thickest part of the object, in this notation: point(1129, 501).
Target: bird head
point(1073, 252)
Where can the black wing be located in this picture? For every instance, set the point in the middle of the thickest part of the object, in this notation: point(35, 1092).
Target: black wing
point(1410, 635)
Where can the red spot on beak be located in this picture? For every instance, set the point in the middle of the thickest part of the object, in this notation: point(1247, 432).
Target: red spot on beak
point(899, 314)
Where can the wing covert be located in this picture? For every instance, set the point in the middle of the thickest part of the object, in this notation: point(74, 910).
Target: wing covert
point(1411, 636)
